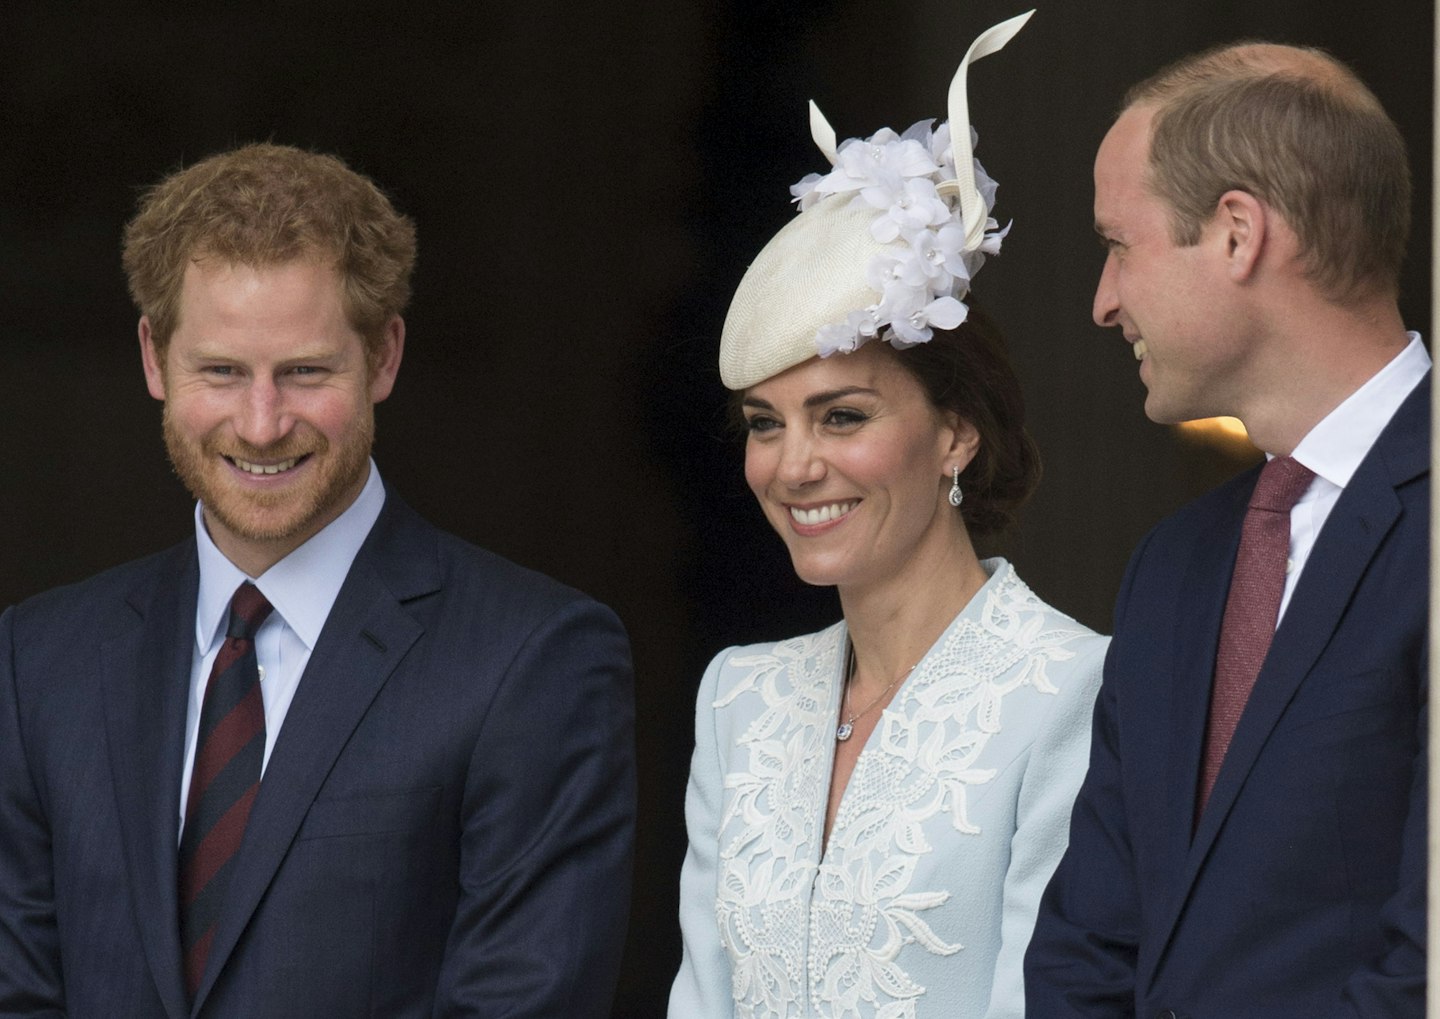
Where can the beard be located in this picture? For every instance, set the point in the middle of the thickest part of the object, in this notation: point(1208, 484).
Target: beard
point(290, 514)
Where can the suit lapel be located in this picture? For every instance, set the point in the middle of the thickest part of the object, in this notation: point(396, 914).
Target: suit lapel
point(366, 636)
point(146, 685)
point(1364, 514)
point(1205, 586)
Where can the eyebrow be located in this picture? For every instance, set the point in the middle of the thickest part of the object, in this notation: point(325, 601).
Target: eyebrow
point(220, 353)
point(815, 399)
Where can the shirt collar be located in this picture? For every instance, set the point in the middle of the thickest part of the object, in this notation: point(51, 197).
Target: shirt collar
point(1334, 448)
point(303, 586)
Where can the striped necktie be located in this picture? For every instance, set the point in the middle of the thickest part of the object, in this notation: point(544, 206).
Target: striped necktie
point(229, 752)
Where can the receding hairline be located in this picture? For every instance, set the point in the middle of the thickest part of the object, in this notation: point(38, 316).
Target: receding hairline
point(1248, 61)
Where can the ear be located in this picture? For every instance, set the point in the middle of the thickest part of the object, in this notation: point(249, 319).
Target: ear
point(1241, 226)
point(151, 360)
point(964, 442)
point(387, 364)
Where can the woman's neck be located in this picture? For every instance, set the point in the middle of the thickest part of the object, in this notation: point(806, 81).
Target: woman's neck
point(893, 624)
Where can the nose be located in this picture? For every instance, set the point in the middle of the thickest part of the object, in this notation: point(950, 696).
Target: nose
point(800, 463)
point(1107, 303)
point(262, 419)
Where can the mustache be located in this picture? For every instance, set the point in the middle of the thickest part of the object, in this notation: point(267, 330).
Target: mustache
point(289, 448)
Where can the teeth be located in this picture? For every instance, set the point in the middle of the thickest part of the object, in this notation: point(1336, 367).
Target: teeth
point(821, 514)
point(250, 468)
point(1139, 349)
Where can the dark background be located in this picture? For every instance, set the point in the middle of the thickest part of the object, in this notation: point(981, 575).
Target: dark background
point(589, 182)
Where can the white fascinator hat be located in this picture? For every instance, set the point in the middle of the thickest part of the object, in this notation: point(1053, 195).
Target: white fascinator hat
point(884, 246)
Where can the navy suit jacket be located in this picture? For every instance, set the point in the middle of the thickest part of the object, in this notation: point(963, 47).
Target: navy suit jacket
point(444, 827)
point(1302, 890)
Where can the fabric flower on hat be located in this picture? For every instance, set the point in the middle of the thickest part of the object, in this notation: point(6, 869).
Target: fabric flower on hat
point(937, 257)
point(844, 338)
point(908, 209)
point(923, 278)
point(912, 315)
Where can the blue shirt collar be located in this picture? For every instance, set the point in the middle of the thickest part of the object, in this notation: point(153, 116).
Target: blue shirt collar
point(303, 586)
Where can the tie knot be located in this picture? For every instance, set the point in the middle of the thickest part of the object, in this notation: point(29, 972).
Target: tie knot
point(1282, 481)
point(248, 609)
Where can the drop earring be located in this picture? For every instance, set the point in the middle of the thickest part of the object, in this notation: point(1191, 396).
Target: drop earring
point(956, 496)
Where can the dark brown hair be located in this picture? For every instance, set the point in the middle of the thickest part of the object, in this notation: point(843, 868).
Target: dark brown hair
point(966, 371)
point(1297, 129)
point(266, 205)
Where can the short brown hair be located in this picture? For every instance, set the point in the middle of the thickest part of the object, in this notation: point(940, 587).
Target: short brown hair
point(265, 205)
point(1298, 130)
point(966, 371)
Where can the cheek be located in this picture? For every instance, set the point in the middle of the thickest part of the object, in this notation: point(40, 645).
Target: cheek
point(197, 416)
point(894, 463)
point(759, 467)
point(332, 414)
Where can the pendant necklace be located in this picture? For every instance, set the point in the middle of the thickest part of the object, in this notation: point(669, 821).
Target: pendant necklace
point(848, 726)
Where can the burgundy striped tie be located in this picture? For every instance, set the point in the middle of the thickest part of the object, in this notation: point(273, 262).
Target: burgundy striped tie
point(229, 751)
point(1252, 608)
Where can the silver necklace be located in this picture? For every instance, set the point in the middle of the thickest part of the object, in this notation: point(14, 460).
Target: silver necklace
point(847, 727)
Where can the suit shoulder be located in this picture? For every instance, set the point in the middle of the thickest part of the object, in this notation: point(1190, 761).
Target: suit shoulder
point(87, 606)
point(478, 595)
point(415, 558)
point(479, 571)
point(1198, 516)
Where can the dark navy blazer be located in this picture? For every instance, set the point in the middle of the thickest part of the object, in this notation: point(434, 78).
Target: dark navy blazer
point(1302, 890)
point(445, 825)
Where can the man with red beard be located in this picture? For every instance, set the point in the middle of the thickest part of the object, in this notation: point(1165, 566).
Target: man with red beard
point(324, 759)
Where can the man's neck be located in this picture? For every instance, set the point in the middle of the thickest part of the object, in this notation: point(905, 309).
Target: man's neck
point(1317, 363)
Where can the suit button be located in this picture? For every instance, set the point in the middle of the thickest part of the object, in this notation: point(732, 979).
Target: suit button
point(1169, 1013)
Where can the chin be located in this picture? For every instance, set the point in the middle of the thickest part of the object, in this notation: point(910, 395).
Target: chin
point(818, 574)
point(1159, 413)
point(268, 524)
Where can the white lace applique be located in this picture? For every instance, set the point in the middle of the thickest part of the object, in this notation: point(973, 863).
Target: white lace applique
point(812, 937)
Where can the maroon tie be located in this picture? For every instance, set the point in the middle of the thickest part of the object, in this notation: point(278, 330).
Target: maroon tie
point(1253, 607)
point(229, 751)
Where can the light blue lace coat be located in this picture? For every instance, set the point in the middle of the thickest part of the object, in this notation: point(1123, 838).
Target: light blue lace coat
point(953, 820)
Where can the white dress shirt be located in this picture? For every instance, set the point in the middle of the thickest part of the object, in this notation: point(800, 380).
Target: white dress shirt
point(1334, 448)
point(302, 587)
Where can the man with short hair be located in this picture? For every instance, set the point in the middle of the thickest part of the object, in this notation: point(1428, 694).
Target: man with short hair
point(1250, 838)
point(322, 759)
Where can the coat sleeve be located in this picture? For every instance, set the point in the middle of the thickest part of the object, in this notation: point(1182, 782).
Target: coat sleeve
point(1054, 768)
point(30, 976)
point(702, 987)
point(1393, 985)
point(1082, 958)
point(547, 840)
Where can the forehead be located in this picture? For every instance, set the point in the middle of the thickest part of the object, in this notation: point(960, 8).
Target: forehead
point(262, 313)
point(873, 367)
point(1121, 165)
point(263, 295)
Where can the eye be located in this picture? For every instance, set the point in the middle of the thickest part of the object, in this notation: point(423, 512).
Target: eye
point(757, 424)
point(845, 417)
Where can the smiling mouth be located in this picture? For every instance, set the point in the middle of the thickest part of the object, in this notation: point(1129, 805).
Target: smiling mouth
point(1139, 349)
point(264, 469)
point(822, 514)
